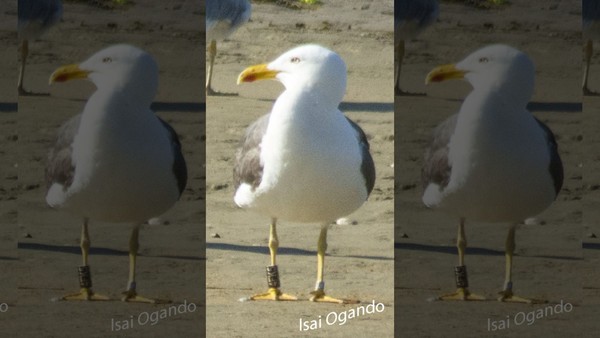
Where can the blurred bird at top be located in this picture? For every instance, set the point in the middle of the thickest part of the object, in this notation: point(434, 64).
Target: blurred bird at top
point(410, 18)
point(591, 31)
point(35, 17)
point(223, 17)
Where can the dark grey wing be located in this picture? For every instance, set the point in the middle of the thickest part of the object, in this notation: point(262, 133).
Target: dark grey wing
point(424, 12)
point(234, 11)
point(44, 12)
point(179, 165)
point(556, 167)
point(436, 168)
point(59, 168)
point(247, 167)
point(590, 11)
point(368, 166)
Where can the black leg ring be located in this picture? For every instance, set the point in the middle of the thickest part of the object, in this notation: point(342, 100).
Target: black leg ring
point(273, 276)
point(460, 273)
point(85, 276)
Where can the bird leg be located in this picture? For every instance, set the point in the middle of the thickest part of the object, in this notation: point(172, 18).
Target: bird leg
point(24, 49)
point(506, 295)
point(319, 294)
point(85, 277)
point(462, 281)
point(131, 294)
point(272, 272)
point(212, 53)
point(588, 51)
point(398, 63)
point(400, 52)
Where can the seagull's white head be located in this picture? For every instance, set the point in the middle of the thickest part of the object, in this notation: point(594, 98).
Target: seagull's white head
point(119, 68)
point(497, 68)
point(304, 68)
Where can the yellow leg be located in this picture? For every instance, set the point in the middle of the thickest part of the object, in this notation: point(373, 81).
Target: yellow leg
point(398, 64)
point(400, 52)
point(85, 293)
point(212, 53)
point(506, 295)
point(24, 49)
point(273, 293)
point(462, 293)
point(588, 51)
point(319, 294)
point(273, 241)
point(131, 294)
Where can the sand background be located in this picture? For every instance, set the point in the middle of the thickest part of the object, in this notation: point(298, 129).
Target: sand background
point(549, 260)
point(170, 264)
point(359, 264)
point(8, 168)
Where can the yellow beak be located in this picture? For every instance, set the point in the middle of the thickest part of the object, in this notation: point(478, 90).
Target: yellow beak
point(68, 72)
point(443, 73)
point(258, 72)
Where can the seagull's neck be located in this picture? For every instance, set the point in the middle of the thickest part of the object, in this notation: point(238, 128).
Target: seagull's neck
point(302, 108)
point(305, 130)
point(502, 89)
point(301, 118)
point(493, 105)
point(125, 91)
point(485, 117)
point(113, 114)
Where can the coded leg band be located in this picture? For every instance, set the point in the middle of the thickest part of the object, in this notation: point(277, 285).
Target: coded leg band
point(460, 273)
point(85, 276)
point(273, 276)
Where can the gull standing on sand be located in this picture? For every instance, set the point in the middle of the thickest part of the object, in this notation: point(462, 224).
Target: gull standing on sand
point(117, 161)
point(223, 17)
point(305, 161)
point(591, 32)
point(35, 17)
point(493, 161)
point(410, 18)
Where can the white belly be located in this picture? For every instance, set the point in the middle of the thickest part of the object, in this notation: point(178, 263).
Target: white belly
point(124, 175)
point(501, 177)
point(308, 178)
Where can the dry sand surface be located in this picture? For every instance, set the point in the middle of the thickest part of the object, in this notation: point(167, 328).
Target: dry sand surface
point(548, 263)
point(591, 200)
point(8, 169)
point(360, 257)
point(170, 265)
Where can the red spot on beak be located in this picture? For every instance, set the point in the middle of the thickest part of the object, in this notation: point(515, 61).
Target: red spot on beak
point(61, 78)
point(437, 78)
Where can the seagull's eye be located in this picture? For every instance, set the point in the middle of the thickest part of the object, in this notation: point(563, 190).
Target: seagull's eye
point(483, 60)
point(295, 59)
point(107, 60)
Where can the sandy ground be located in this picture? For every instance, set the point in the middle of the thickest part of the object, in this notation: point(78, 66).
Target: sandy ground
point(549, 260)
point(8, 168)
point(170, 264)
point(591, 200)
point(550, 263)
point(359, 264)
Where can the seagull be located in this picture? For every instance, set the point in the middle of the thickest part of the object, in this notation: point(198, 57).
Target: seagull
point(493, 161)
point(410, 18)
point(305, 161)
point(591, 32)
point(116, 161)
point(223, 17)
point(35, 17)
